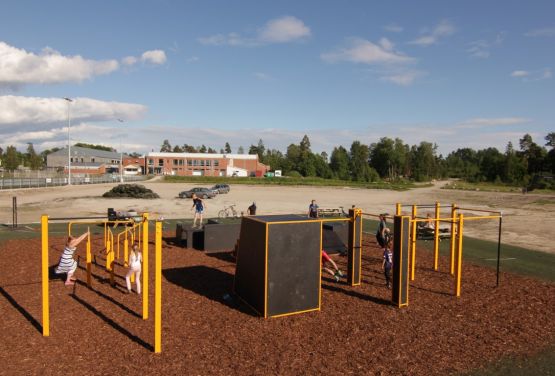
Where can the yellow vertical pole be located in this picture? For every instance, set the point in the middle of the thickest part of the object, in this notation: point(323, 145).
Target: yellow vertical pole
point(459, 256)
point(44, 272)
point(398, 209)
point(436, 236)
point(453, 238)
point(89, 260)
point(112, 254)
point(126, 251)
point(139, 237)
point(413, 243)
point(145, 266)
point(158, 291)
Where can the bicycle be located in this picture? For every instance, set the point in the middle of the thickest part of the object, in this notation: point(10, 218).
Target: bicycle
point(228, 211)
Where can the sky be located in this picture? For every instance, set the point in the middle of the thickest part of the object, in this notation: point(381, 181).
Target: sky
point(459, 74)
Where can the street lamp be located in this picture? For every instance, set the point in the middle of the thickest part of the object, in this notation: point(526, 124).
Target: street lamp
point(68, 140)
point(120, 158)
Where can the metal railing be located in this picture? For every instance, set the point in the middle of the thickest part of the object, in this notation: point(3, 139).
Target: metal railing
point(17, 183)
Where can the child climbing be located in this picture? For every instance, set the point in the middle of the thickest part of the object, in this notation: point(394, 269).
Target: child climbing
point(67, 263)
point(336, 273)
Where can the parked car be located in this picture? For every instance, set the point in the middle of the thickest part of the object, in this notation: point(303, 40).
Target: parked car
point(221, 188)
point(199, 192)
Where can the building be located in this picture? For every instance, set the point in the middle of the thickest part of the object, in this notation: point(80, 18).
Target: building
point(85, 161)
point(204, 164)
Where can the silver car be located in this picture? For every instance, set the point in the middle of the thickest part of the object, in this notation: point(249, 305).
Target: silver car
point(199, 192)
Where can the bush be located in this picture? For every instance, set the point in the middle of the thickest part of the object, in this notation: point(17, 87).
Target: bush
point(131, 190)
point(294, 174)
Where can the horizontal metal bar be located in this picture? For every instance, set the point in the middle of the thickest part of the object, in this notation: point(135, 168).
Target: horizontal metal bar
point(480, 210)
point(482, 217)
point(72, 218)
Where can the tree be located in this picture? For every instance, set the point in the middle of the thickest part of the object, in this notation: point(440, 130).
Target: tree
point(423, 161)
point(202, 149)
point(34, 161)
point(227, 148)
point(240, 150)
point(188, 149)
point(339, 163)
point(360, 169)
point(11, 160)
point(92, 146)
point(212, 151)
point(258, 149)
point(166, 147)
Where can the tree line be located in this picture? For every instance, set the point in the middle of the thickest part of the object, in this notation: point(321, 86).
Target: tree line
point(531, 164)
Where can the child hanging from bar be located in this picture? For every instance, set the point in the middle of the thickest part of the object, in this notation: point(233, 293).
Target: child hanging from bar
point(387, 263)
point(336, 273)
point(135, 259)
point(67, 263)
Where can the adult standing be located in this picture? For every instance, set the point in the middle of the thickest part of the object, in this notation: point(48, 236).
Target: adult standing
point(313, 209)
point(198, 207)
point(252, 209)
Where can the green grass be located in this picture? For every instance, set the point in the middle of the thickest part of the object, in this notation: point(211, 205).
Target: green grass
point(398, 186)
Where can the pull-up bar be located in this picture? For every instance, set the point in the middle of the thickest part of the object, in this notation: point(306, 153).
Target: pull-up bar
point(72, 218)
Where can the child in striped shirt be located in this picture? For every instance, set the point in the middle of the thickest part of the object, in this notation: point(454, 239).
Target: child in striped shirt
point(67, 263)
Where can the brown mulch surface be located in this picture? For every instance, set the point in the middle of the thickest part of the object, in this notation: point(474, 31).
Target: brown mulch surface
point(100, 331)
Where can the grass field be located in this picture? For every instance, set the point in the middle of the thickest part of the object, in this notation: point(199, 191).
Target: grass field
point(491, 187)
point(513, 260)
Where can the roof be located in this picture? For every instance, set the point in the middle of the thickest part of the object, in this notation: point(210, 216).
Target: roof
point(87, 152)
point(202, 155)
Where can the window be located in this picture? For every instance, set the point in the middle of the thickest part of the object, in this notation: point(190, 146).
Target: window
point(216, 163)
point(189, 162)
point(175, 162)
point(92, 160)
point(202, 162)
point(151, 161)
point(195, 162)
point(208, 162)
point(160, 162)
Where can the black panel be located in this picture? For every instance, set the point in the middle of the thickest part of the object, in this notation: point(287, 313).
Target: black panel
point(400, 260)
point(335, 237)
point(251, 263)
point(221, 237)
point(294, 256)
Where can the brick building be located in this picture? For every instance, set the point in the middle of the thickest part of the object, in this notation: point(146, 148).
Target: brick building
point(203, 164)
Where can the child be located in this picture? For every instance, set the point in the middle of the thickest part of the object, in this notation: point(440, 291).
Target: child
point(135, 259)
point(387, 263)
point(67, 263)
point(380, 234)
point(326, 259)
point(198, 205)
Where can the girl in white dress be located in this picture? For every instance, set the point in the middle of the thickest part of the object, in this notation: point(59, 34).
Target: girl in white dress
point(135, 260)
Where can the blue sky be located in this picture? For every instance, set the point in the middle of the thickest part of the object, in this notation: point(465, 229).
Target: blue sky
point(461, 74)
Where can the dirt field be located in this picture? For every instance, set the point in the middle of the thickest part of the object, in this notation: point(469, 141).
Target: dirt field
point(528, 220)
point(100, 331)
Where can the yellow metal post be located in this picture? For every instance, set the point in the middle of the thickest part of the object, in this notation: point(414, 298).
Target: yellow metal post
point(158, 291)
point(398, 209)
point(453, 238)
point(44, 270)
point(459, 255)
point(112, 258)
point(413, 243)
point(89, 260)
point(145, 266)
point(436, 236)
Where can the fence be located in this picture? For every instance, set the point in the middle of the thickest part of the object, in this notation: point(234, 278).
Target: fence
point(15, 183)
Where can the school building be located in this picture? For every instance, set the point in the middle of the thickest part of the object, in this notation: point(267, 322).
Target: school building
point(204, 164)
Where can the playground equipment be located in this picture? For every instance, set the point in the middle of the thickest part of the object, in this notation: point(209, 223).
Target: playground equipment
point(456, 220)
point(110, 257)
point(278, 268)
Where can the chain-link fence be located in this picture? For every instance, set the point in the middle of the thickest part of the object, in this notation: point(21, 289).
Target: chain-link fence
point(33, 182)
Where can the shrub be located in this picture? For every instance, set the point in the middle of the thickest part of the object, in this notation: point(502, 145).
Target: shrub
point(131, 190)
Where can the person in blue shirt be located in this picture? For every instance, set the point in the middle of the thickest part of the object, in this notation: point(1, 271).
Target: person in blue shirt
point(313, 209)
point(198, 206)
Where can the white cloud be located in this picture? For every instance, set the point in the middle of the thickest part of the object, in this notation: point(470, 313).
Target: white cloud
point(20, 67)
point(405, 78)
point(34, 113)
point(280, 30)
point(481, 48)
point(262, 76)
point(545, 32)
point(129, 60)
point(442, 30)
point(192, 59)
point(393, 28)
point(157, 57)
point(520, 73)
point(492, 122)
point(284, 29)
point(363, 51)
point(535, 75)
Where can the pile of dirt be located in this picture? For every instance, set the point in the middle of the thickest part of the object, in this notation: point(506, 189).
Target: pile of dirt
point(130, 191)
point(206, 330)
